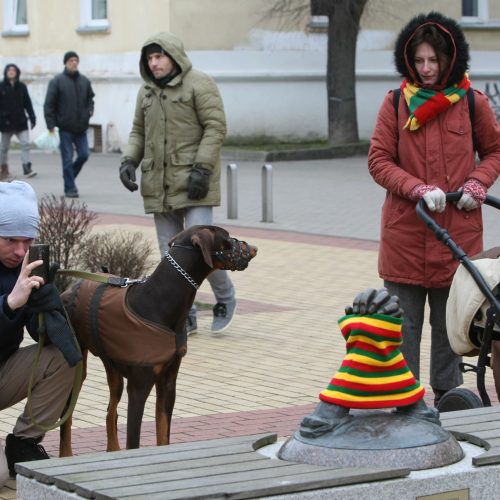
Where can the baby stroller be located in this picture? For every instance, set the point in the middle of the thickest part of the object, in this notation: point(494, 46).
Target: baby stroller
point(472, 311)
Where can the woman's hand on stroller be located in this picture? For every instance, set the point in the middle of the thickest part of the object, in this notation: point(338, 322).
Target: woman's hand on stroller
point(473, 195)
point(434, 197)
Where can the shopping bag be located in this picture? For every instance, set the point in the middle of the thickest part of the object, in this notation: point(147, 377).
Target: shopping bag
point(48, 140)
point(4, 469)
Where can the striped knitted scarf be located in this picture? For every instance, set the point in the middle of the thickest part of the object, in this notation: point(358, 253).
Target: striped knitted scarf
point(425, 104)
point(374, 373)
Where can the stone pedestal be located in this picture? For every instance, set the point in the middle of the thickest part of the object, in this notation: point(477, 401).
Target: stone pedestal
point(366, 439)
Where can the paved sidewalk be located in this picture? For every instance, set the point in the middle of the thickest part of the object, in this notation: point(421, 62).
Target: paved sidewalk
point(265, 372)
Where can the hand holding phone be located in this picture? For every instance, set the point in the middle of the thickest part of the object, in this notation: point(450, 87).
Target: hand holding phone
point(40, 251)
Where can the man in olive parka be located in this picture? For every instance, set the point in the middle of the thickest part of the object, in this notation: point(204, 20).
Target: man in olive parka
point(177, 134)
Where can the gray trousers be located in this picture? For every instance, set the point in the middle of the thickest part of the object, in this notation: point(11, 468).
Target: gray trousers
point(51, 387)
point(444, 369)
point(168, 224)
point(24, 141)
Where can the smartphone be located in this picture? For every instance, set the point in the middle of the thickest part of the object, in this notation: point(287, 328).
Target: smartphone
point(40, 251)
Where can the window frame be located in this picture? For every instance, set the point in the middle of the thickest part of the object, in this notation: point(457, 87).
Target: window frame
point(10, 25)
point(86, 21)
point(482, 13)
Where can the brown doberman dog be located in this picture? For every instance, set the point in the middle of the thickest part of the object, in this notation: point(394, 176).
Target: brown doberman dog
point(139, 331)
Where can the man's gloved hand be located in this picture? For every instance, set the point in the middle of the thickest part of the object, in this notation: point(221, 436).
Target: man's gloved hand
point(127, 175)
point(372, 301)
point(473, 195)
point(53, 268)
point(33, 123)
point(198, 182)
point(434, 197)
point(47, 301)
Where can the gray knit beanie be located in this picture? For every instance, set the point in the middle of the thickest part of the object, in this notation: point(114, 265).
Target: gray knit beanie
point(18, 210)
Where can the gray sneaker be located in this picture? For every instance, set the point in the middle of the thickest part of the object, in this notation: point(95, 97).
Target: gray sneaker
point(223, 315)
point(191, 325)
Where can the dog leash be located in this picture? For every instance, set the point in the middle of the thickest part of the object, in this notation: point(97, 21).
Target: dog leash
point(100, 278)
point(77, 380)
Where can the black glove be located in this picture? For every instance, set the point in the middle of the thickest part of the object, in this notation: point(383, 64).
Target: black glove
point(198, 182)
point(373, 301)
point(46, 300)
point(127, 175)
point(33, 123)
point(53, 268)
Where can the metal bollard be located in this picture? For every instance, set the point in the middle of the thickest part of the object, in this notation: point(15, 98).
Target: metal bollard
point(232, 191)
point(267, 193)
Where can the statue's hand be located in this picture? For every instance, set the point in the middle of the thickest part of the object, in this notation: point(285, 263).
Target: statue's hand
point(372, 301)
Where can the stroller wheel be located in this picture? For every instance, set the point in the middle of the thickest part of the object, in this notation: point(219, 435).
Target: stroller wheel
point(459, 399)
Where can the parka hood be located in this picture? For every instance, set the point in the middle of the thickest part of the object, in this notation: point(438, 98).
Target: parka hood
point(11, 65)
point(458, 48)
point(174, 47)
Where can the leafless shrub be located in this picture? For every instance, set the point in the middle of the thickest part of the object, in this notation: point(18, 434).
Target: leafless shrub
point(123, 254)
point(64, 225)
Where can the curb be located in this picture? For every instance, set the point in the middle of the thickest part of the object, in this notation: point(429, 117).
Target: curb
point(337, 151)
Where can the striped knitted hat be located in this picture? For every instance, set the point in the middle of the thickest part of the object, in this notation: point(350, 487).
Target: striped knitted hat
point(374, 373)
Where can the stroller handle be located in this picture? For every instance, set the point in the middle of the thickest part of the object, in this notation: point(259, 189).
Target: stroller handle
point(442, 235)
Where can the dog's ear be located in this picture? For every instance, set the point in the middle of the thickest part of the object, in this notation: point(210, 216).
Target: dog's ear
point(204, 240)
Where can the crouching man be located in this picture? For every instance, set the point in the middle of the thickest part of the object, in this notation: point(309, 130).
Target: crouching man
point(54, 378)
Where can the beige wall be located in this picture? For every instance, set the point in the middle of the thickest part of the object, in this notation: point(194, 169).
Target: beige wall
point(393, 14)
point(202, 24)
point(219, 25)
point(53, 28)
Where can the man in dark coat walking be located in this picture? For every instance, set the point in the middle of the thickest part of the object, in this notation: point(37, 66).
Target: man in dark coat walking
point(69, 104)
point(15, 108)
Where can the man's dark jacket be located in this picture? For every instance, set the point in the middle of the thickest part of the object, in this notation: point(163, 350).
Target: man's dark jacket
point(12, 322)
point(15, 102)
point(69, 102)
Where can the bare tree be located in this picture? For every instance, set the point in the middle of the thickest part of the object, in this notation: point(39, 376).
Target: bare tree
point(343, 25)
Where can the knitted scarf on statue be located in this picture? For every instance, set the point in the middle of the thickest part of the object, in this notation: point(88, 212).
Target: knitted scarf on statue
point(425, 104)
point(374, 373)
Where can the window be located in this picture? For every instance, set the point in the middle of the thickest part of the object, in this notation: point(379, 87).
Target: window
point(93, 15)
point(474, 11)
point(15, 17)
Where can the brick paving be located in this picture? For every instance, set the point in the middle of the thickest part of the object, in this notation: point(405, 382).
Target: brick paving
point(264, 373)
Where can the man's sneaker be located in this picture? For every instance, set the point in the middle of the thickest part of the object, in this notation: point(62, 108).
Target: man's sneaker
point(71, 194)
point(191, 325)
point(28, 171)
point(22, 450)
point(223, 315)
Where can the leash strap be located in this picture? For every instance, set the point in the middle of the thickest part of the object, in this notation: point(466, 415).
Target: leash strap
point(77, 381)
point(100, 278)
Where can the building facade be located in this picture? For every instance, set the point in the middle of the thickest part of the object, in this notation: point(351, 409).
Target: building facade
point(270, 68)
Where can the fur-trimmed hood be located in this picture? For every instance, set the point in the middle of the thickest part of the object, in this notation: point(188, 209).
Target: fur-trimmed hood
point(458, 47)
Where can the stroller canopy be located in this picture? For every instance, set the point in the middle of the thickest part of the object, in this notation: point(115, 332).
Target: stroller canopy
point(464, 302)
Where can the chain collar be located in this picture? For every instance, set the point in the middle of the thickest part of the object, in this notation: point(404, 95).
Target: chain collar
point(176, 266)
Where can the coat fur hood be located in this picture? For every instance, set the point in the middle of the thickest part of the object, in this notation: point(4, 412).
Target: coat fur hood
point(174, 47)
point(458, 47)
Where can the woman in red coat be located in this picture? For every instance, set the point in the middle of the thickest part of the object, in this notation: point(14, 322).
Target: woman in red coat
point(424, 150)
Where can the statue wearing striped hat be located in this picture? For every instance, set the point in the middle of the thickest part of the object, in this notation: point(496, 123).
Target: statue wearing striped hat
point(374, 373)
